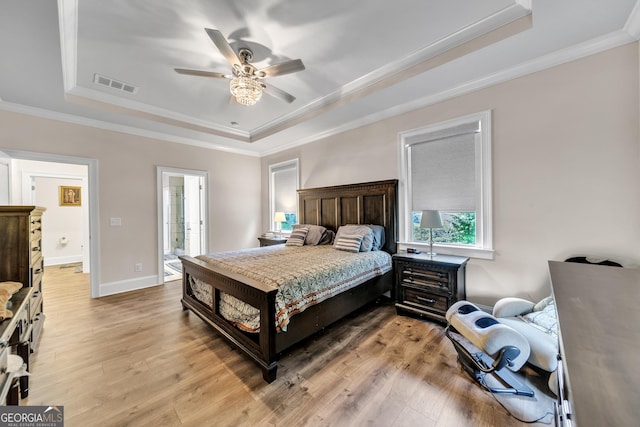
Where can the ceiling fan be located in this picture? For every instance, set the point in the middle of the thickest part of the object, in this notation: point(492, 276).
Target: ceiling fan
point(246, 80)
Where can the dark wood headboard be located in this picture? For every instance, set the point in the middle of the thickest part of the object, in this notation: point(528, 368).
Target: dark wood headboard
point(365, 203)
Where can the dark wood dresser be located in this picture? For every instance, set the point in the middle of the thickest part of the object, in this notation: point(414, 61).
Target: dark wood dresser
point(598, 315)
point(21, 257)
point(427, 286)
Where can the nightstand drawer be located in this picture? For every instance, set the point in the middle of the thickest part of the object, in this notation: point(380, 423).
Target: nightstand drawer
point(416, 276)
point(428, 274)
point(424, 300)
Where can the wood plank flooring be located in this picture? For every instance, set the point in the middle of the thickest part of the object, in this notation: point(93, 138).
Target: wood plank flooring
point(137, 359)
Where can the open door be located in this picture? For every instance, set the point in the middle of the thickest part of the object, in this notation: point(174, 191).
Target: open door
point(182, 218)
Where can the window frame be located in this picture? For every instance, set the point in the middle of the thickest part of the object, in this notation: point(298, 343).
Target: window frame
point(278, 167)
point(484, 214)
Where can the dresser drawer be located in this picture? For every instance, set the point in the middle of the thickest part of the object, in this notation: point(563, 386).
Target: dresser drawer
point(35, 224)
point(416, 275)
point(4, 356)
point(35, 305)
point(425, 301)
point(36, 248)
point(36, 330)
point(37, 271)
point(425, 278)
point(23, 322)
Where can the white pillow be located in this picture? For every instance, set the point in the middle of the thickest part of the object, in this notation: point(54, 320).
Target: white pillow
point(363, 230)
point(297, 236)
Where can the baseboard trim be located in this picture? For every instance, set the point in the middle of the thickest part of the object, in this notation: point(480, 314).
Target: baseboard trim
point(127, 285)
point(62, 260)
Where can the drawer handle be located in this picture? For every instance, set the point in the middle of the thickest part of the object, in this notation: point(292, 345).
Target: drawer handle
point(425, 273)
point(38, 271)
point(35, 249)
point(427, 300)
point(412, 280)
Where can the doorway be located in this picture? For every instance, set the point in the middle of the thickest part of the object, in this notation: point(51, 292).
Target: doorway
point(182, 218)
point(89, 180)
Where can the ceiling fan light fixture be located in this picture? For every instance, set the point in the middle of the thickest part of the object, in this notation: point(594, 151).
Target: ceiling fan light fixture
point(246, 90)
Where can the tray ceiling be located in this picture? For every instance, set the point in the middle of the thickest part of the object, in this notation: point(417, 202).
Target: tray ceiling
point(111, 64)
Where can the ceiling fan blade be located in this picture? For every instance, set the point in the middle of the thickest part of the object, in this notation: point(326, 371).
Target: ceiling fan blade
point(278, 93)
point(203, 73)
point(223, 46)
point(281, 68)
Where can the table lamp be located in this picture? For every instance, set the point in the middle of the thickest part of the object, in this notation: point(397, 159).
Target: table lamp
point(279, 218)
point(431, 219)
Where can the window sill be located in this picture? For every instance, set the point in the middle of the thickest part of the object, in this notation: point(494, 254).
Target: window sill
point(470, 252)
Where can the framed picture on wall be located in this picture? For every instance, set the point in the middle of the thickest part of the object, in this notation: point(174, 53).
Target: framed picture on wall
point(70, 196)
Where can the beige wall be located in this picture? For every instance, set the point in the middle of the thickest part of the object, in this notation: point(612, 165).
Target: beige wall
point(566, 167)
point(127, 189)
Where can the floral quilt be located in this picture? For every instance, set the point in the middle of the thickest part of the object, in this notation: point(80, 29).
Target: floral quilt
point(304, 276)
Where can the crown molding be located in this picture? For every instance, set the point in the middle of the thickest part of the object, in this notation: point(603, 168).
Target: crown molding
point(594, 46)
point(493, 28)
point(104, 101)
point(632, 26)
point(99, 124)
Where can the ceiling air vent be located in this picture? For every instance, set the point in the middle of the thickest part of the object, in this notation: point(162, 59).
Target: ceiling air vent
point(114, 84)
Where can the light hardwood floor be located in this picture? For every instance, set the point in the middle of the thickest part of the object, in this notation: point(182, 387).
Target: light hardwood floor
point(137, 359)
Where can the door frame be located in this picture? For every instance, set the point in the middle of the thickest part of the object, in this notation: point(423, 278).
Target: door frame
point(160, 171)
point(92, 199)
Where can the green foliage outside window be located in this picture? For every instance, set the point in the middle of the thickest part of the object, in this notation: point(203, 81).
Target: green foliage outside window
point(291, 220)
point(459, 228)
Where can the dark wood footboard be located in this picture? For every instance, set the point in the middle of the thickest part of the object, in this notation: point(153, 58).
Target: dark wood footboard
point(367, 203)
point(265, 347)
point(261, 348)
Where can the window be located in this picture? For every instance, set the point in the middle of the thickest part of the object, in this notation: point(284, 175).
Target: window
point(447, 167)
point(283, 196)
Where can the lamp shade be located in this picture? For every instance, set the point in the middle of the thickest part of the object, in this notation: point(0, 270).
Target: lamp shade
point(279, 217)
point(431, 219)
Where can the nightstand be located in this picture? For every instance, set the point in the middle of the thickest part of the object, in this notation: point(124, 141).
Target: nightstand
point(427, 286)
point(268, 241)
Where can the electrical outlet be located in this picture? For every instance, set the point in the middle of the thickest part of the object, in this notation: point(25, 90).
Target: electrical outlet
point(138, 267)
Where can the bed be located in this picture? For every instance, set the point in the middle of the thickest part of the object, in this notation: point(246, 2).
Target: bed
point(330, 207)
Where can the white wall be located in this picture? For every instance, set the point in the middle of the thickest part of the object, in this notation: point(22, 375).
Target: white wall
point(62, 234)
point(566, 167)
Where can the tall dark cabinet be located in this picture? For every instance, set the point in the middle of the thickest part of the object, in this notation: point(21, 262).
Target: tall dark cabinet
point(21, 257)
